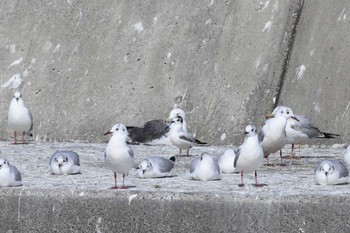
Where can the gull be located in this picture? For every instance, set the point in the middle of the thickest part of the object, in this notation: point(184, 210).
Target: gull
point(155, 132)
point(346, 157)
point(205, 168)
point(9, 175)
point(226, 161)
point(64, 163)
point(273, 134)
point(179, 137)
point(301, 131)
point(155, 167)
point(20, 119)
point(250, 155)
point(330, 172)
point(119, 157)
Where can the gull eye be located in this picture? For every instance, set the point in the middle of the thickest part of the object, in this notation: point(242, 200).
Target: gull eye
point(288, 112)
point(117, 129)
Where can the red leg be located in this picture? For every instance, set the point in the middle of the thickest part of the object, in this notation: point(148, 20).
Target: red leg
point(123, 187)
point(115, 181)
point(241, 184)
point(23, 141)
point(291, 154)
point(256, 180)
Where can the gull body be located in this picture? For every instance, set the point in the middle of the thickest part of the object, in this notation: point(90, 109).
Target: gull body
point(346, 157)
point(155, 167)
point(179, 137)
point(273, 134)
point(119, 157)
point(9, 175)
point(331, 172)
point(64, 163)
point(205, 168)
point(250, 154)
point(226, 161)
point(20, 119)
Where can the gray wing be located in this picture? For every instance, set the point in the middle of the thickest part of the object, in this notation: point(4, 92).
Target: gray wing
point(304, 120)
point(131, 152)
point(261, 136)
point(309, 130)
point(152, 130)
point(164, 165)
point(187, 138)
point(31, 119)
point(194, 164)
point(15, 171)
point(236, 157)
point(343, 171)
point(72, 155)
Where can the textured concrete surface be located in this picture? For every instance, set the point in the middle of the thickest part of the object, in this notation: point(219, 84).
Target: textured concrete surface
point(319, 66)
point(290, 201)
point(83, 66)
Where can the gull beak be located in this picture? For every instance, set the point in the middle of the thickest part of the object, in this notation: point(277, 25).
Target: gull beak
point(143, 172)
point(109, 132)
point(269, 116)
point(245, 132)
point(294, 118)
point(59, 165)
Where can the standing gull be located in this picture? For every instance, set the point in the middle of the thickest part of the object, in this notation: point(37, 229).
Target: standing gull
point(155, 167)
point(301, 131)
point(273, 134)
point(119, 157)
point(20, 119)
point(226, 161)
point(250, 155)
point(330, 172)
point(179, 137)
point(205, 168)
point(9, 175)
point(64, 163)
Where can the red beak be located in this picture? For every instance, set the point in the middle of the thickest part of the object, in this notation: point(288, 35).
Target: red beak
point(109, 132)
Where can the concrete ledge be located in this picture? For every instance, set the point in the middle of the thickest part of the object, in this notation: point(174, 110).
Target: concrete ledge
point(109, 211)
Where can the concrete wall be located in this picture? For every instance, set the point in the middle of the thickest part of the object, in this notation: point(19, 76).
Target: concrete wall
point(45, 211)
point(83, 66)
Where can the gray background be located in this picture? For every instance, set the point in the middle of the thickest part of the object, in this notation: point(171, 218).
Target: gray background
point(84, 65)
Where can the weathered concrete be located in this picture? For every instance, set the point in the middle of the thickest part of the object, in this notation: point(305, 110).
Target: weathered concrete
point(87, 65)
point(317, 81)
point(290, 201)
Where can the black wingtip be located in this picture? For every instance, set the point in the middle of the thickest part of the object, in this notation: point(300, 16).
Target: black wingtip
point(172, 158)
point(330, 135)
point(199, 142)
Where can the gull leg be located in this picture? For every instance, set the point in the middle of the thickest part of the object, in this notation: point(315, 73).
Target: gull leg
point(188, 151)
point(299, 151)
point(282, 164)
point(241, 184)
point(123, 187)
point(256, 180)
point(115, 181)
point(180, 153)
point(23, 140)
point(15, 137)
point(291, 154)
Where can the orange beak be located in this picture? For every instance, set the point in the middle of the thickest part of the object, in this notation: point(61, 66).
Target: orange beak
point(269, 116)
